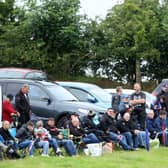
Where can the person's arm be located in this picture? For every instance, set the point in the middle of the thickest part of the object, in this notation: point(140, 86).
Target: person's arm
point(18, 104)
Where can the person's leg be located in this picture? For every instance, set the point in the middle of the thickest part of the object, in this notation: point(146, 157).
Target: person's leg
point(69, 147)
point(90, 138)
point(128, 137)
point(53, 142)
point(141, 138)
point(142, 119)
point(121, 140)
point(44, 145)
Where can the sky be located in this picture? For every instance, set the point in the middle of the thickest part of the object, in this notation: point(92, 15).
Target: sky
point(97, 7)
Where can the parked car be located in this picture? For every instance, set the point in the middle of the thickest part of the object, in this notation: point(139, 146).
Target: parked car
point(150, 99)
point(48, 99)
point(86, 92)
point(161, 87)
point(22, 73)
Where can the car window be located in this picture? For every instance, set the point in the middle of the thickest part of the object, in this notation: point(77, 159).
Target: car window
point(36, 75)
point(37, 93)
point(61, 93)
point(80, 94)
point(11, 74)
point(13, 88)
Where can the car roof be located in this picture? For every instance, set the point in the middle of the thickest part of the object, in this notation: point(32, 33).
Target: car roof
point(29, 81)
point(20, 69)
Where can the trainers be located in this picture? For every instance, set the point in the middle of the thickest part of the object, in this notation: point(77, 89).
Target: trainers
point(45, 155)
point(59, 153)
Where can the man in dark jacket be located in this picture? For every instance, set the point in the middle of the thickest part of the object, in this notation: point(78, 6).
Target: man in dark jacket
point(25, 136)
point(7, 139)
point(116, 99)
point(129, 129)
point(91, 122)
point(138, 100)
point(109, 125)
point(77, 131)
point(23, 104)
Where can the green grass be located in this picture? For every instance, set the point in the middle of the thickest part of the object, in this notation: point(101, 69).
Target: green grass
point(156, 158)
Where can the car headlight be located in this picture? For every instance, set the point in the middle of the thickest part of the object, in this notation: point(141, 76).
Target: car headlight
point(83, 111)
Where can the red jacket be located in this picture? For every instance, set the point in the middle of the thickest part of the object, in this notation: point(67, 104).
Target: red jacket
point(7, 110)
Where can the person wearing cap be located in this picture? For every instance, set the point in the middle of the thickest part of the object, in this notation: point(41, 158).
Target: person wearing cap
point(108, 124)
point(91, 122)
point(78, 132)
point(23, 104)
point(8, 110)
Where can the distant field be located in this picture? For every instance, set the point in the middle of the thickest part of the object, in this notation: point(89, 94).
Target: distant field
point(156, 158)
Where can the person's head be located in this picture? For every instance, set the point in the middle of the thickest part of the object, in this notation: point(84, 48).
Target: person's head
point(119, 90)
point(150, 114)
point(162, 114)
point(126, 116)
point(74, 115)
point(137, 87)
point(39, 124)
point(91, 113)
point(51, 122)
point(6, 125)
point(75, 122)
point(25, 89)
point(129, 108)
point(111, 112)
point(9, 97)
point(30, 126)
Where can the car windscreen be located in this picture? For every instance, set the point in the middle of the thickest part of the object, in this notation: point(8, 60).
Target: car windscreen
point(101, 94)
point(60, 93)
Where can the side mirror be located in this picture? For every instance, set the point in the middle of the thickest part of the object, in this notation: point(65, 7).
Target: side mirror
point(92, 99)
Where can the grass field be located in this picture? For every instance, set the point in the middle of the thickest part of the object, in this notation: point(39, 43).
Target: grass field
point(156, 158)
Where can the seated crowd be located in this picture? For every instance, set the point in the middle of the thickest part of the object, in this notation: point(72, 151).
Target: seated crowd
point(125, 124)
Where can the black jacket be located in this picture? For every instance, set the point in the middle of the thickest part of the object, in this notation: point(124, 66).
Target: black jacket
point(76, 131)
point(108, 123)
point(23, 107)
point(126, 126)
point(54, 131)
point(23, 133)
point(6, 134)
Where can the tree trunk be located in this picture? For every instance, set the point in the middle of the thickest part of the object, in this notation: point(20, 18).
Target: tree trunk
point(138, 71)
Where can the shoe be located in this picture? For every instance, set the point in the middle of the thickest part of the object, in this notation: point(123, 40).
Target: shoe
point(59, 153)
point(135, 149)
point(45, 155)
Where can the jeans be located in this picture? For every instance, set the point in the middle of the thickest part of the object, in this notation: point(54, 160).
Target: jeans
point(90, 138)
point(53, 142)
point(68, 145)
point(121, 140)
point(27, 144)
point(132, 140)
point(44, 145)
point(141, 138)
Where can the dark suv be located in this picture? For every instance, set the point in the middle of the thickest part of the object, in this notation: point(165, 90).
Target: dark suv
point(161, 87)
point(48, 99)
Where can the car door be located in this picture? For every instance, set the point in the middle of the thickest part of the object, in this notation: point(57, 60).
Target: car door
point(42, 104)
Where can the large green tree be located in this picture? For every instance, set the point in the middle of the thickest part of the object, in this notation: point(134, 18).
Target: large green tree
point(48, 36)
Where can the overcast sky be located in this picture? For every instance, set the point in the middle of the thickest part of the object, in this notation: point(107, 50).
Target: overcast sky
point(97, 7)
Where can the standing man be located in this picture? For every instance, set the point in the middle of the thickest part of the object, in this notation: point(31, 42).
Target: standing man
point(116, 99)
point(138, 100)
point(23, 104)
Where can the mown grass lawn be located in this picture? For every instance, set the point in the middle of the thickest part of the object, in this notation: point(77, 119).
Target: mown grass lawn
point(156, 158)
